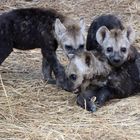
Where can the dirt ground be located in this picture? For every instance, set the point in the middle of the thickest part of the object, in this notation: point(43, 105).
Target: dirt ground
point(33, 110)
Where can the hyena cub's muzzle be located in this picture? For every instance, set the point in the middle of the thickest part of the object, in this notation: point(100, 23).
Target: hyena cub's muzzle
point(116, 59)
point(73, 79)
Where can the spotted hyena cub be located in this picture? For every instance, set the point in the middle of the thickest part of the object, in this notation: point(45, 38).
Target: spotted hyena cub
point(86, 71)
point(41, 28)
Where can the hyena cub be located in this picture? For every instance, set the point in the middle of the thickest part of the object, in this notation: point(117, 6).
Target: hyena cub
point(41, 28)
point(86, 73)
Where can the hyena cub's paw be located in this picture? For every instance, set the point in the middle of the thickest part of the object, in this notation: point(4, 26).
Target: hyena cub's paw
point(50, 81)
point(88, 104)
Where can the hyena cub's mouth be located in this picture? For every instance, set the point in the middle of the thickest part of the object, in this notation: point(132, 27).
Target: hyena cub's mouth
point(80, 87)
point(77, 90)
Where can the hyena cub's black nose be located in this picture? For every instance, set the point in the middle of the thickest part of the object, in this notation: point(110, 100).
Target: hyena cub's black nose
point(117, 60)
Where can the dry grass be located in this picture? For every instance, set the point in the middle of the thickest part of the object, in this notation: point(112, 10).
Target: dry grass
point(33, 110)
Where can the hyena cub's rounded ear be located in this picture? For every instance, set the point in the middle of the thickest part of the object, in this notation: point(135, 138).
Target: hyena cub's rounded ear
point(130, 34)
point(132, 53)
point(60, 29)
point(82, 25)
point(101, 34)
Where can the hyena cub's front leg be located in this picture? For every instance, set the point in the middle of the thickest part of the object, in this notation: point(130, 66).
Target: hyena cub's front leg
point(52, 63)
point(47, 72)
point(91, 98)
point(86, 100)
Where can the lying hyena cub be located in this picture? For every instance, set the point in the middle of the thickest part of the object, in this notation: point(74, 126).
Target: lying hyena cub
point(39, 28)
point(85, 70)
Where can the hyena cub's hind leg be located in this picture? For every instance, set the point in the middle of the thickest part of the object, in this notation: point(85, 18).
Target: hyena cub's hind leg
point(4, 52)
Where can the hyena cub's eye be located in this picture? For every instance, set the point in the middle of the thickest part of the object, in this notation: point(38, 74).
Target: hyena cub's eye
point(68, 47)
point(109, 49)
point(81, 47)
point(73, 77)
point(123, 49)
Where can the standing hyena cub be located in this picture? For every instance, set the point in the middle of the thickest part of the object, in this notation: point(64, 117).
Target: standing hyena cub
point(39, 28)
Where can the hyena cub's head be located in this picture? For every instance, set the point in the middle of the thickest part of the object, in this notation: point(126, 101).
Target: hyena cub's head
point(82, 69)
point(70, 35)
point(116, 44)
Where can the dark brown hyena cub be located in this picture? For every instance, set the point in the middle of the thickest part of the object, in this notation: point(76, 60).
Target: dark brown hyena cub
point(112, 42)
point(41, 28)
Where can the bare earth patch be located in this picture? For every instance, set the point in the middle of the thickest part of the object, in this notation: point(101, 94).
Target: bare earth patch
point(33, 110)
